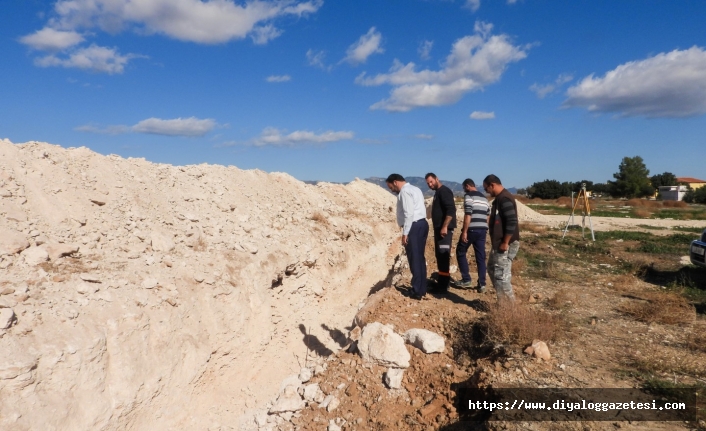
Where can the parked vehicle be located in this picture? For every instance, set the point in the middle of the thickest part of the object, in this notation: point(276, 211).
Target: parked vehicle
point(697, 252)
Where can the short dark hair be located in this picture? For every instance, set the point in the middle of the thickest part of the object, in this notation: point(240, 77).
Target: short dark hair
point(430, 174)
point(492, 179)
point(394, 177)
point(469, 182)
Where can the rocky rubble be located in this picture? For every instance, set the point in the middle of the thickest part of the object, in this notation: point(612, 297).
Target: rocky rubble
point(173, 297)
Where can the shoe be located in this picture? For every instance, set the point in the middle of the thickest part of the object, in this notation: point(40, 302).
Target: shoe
point(463, 284)
point(481, 289)
point(436, 289)
point(416, 297)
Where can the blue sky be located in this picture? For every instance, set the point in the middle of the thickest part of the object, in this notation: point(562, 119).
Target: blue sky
point(332, 90)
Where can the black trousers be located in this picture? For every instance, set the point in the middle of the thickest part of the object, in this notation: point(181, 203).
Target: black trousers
point(442, 250)
point(416, 242)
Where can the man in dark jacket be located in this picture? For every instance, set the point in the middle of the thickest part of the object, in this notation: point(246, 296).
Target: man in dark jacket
point(443, 217)
point(504, 236)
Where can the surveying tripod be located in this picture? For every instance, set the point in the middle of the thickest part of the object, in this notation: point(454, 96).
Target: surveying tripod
point(582, 197)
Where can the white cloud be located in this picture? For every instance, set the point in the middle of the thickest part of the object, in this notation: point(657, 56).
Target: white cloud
point(473, 5)
point(424, 136)
point(189, 127)
point(474, 62)
point(543, 90)
point(669, 84)
point(214, 21)
point(316, 59)
point(367, 45)
point(263, 34)
point(49, 39)
point(276, 137)
point(94, 58)
point(279, 78)
point(480, 115)
point(424, 49)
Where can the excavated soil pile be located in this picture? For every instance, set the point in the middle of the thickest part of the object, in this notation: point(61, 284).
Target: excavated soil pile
point(146, 296)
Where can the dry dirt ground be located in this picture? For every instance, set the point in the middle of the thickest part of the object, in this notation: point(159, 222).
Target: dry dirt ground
point(618, 319)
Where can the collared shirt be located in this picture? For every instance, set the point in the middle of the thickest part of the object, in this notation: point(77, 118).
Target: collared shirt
point(410, 207)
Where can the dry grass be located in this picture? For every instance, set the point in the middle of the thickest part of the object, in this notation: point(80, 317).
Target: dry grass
point(532, 227)
point(519, 265)
point(560, 300)
point(663, 359)
point(352, 212)
point(643, 203)
point(696, 340)
point(519, 324)
point(319, 217)
point(642, 212)
point(624, 283)
point(666, 308)
point(565, 201)
point(674, 204)
point(549, 269)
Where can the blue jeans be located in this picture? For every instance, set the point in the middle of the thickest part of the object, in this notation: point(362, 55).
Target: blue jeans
point(500, 271)
point(476, 238)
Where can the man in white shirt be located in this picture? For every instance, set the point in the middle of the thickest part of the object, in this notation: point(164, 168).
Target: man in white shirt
point(411, 217)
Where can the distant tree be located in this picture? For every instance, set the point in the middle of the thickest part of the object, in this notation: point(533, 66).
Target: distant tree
point(577, 185)
point(664, 179)
point(632, 179)
point(522, 192)
point(695, 196)
point(549, 189)
point(601, 188)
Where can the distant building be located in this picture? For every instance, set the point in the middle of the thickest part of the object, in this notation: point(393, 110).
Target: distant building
point(672, 193)
point(694, 183)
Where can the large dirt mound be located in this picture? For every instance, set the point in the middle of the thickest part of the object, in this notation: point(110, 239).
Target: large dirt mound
point(153, 297)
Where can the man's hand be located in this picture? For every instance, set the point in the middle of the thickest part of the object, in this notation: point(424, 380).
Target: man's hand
point(464, 237)
point(444, 230)
point(503, 247)
point(404, 240)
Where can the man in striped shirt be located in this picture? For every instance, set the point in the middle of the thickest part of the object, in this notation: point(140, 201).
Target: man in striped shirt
point(504, 237)
point(475, 228)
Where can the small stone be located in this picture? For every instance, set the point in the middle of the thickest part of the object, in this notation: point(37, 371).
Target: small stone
point(7, 318)
point(92, 278)
point(7, 291)
point(305, 375)
point(333, 404)
point(393, 378)
point(199, 278)
point(97, 200)
point(12, 242)
point(332, 426)
point(84, 288)
point(541, 350)
point(426, 341)
point(149, 283)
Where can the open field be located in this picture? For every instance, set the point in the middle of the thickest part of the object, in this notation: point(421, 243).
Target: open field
point(633, 208)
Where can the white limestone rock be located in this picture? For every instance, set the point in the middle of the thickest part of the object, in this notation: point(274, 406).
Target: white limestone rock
point(426, 341)
point(161, 241)
point(7, 318)
point(12, 242)
point(393, 378)
point(288, 401)
point(85, 288)
point(380, 344)
point(57, 250)
point(33, 256)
